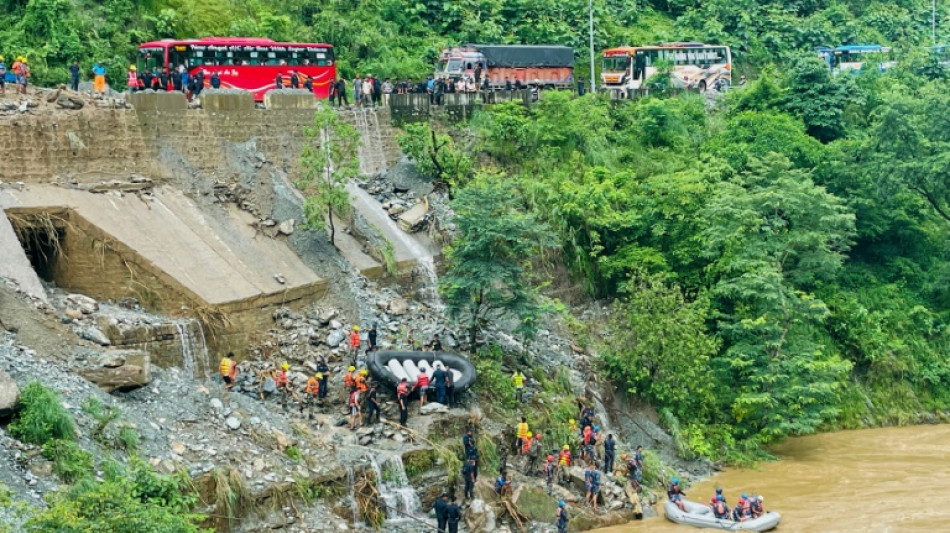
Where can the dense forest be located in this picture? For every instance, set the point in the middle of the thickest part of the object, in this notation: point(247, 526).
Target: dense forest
point(402, 37)
point(779, 256)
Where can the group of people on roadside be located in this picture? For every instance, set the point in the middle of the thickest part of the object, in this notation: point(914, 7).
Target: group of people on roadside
point(747, 508)
point(21, 74)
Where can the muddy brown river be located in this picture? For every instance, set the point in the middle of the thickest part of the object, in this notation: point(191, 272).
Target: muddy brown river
point(879, 480)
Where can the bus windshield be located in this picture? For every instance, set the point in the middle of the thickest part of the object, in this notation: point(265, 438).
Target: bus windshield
point(616, 63)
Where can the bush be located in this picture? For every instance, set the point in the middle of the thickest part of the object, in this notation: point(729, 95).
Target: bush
point(70, 462)
point(42, 418)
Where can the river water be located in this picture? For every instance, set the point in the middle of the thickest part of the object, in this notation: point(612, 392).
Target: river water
point(881, 480)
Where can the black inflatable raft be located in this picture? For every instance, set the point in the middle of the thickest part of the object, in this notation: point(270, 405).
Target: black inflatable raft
point(389, 367)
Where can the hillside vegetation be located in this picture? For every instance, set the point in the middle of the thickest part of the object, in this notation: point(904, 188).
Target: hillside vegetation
point(778, 261)
point(403, 37)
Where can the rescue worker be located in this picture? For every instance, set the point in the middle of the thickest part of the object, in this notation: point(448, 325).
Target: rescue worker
point(518, 379)
point(438, 381)
point(402, 396)
point(610, 448)
point(586, 439)
point(756, 506)
point(743, 509)
point(563, 462)
point(280, 380)
point(440, 506)
point(355, 342)
point(716, 496)
point(359, 381)
point(449, 388)
point(521, 435)
point(422, 383)
point(468, 442)
point(132, 79)
point(373, 402)
point(310, 394)
point(719, 507)
point(675, 494)
point(594, 488)
point(324, 371)
point(534, 454)
point(452, 516)
point(348, 380)
point(468, 474)
point(549, 469)
point(98, 78)
point(228, 371)
point(572, 426)
point(355, 414)
point(562, 517)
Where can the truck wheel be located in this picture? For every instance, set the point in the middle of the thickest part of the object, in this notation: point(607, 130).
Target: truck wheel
point(702, 86)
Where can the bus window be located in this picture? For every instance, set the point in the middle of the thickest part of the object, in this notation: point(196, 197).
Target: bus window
point(151, 58)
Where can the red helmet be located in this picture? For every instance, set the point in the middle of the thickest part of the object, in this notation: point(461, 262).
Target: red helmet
point(538, 436)
point(550, 458)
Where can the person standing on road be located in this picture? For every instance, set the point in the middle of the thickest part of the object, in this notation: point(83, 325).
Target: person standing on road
point(99, 78)
point(74, 76)
point(357, 90)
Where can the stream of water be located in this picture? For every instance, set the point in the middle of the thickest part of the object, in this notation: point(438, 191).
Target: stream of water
point(194, 349)
point(400, 498)
point(878, 480)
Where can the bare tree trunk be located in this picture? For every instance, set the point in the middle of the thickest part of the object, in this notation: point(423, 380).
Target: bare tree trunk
point(332, 227)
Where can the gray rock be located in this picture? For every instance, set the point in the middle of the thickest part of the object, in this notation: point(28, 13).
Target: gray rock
point(94, 334)
point(9, 395)
point(269, 386)
point(335, 338)
point(366, 440)
point(433, 407)
point(233, 422)
point(111, 360)
point(398, 306)
point(325, 317)
point(336, 324)
point(217, 404)
point(286, 227)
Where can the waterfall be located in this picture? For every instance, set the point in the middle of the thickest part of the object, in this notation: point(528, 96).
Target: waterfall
point(372, 155)
point(351, 487)
point(429, 291)
point(194, 349)
point(394, 489)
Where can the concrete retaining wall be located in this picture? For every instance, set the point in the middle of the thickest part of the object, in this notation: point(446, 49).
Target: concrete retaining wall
point(214, 101)
point(157, 101)
point(290, 99)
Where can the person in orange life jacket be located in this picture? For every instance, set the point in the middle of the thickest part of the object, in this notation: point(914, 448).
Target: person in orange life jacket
point(355, 414)
point(521, 435)
point(742, 509)
point(348, 379)
point(355, 341)
point(228, 371)
point(402, 396)
point(280, 380)
point(719, 507)
point(563, 462)
point(533, 450)
point(422, 383)
point(675, 494)
point(310, 394)
point(586, 438)
point(359, 381)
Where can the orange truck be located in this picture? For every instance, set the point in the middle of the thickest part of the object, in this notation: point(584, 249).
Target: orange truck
point(542, 66)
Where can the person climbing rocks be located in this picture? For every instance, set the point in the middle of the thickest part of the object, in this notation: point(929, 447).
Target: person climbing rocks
point(518, 380)
point(324, 372)
point(549, 469)
point(228, 371)
point(453, 514)
point(675, 494)
point(587, 416)
point(610, 450)
point(526, 443)
point(468, 474)
point(592, 484)
point(468, 442)
point(359, 381)
point(373, 404)
point(349, 382)
point(562, 517)
point(586, 439)
point(438, 382)
point(371, 337)
point(356, 416)
point(402, 396)
point(534, 455)
point(637, 473)
point(310, 394)
point(283, 388)
point(422, 383)
point(355, 342)
point(521, 435)
point(441, 503)
point(563, 462)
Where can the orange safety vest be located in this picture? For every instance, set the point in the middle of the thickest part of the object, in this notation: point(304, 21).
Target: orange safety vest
point(523, 430)
point(355, 339)
point(280, 378)
point(348, 379)
point(133, 79)
point(565, 458)
point(360, 383)
point(526, 446)
point(313, 386)
point(402, 388)
point(225, 367)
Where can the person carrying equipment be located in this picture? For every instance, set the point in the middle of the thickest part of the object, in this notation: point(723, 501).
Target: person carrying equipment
point(310, 393)
point(348, 381)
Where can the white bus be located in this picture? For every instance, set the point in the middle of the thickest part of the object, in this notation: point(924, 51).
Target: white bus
point(692, 66)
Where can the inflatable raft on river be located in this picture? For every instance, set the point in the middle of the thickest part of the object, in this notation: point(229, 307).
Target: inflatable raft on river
point(701, 516)
point(390, 367)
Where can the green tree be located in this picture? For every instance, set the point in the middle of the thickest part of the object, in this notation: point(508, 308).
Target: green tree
point(774, 236)
point(819, 99)
point(489, 262)
point(660, 349)
point(436, 155)
point(329, 161)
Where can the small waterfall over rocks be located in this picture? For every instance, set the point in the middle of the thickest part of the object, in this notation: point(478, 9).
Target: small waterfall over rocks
point(400, 499)
point(194, 349)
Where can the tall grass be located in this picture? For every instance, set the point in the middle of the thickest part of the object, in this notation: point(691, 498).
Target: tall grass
point(42, 418)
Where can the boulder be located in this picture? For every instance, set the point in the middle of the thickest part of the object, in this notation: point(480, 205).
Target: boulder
point(335, 338)
point(286, 227)
point(85, 304)
point(233, 422)
point(432, 408)
point(398, 306)
point(135, 372)
point(94, 334)
point(9, 395)
point(479, 517)
point(412, 219)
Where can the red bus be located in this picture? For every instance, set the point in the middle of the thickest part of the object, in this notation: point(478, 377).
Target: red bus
point(248, 63)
